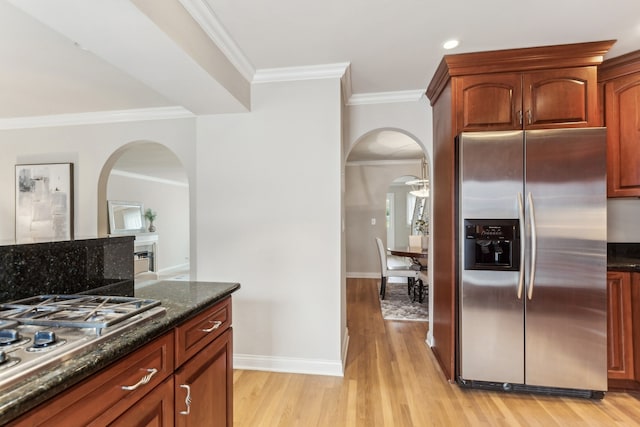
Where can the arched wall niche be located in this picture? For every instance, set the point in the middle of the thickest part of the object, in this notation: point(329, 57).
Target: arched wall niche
point(151, 173)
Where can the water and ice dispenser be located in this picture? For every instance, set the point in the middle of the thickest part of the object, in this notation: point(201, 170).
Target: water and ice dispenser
point(491, 244)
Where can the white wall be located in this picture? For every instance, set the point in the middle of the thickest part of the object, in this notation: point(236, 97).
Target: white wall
point(88, 147)
point(268, 216)
point(171, 202)
point(412, 117)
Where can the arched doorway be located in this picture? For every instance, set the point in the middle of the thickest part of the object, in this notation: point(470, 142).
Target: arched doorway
point(376, 160)
point(149, 174)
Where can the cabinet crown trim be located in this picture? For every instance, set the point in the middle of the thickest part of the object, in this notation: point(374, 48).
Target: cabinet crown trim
point(520, 60)
point(619, 66)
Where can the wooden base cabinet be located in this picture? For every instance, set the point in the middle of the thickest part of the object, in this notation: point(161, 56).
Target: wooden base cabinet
point(203, 384)
point(619, 326)
point(623, 330)
point(184, 378)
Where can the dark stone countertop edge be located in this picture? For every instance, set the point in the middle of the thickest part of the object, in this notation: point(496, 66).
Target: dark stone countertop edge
point(181, 299)
point(629, 267)
point(623, 264)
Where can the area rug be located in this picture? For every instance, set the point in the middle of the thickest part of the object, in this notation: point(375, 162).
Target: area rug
point(398, 305)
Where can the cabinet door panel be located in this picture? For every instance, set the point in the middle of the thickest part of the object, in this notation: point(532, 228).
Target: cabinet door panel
point(560, 98)
point(207, 379)
point(623, 136)
point(619, 326)
point(490, 102)
point(154, 410)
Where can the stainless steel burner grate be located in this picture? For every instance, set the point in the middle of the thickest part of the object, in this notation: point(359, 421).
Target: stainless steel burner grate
point(74, 311)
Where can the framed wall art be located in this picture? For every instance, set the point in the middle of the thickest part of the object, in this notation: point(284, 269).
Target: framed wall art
point(44, 202)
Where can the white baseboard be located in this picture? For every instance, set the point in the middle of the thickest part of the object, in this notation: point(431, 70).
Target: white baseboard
point(356, 275)
point(345, 349)
point(289, 365)
point(430, 341)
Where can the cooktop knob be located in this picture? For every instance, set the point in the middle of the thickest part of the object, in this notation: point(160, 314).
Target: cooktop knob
point(9, 336)
point(44, 338)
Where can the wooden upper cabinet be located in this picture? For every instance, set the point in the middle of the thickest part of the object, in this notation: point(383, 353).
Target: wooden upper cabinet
point(622, 118)
point(544, 99)
point(490, 102)
point(623, 143)
point(561, 98)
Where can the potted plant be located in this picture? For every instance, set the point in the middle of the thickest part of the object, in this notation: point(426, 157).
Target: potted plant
point(422, 228)
point(150, 216)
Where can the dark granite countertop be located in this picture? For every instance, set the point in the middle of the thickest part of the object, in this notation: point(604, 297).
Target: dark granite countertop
point(623, 257)
point(181, 299)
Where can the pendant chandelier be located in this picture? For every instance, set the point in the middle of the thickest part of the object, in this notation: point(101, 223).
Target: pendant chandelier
point(420, 186)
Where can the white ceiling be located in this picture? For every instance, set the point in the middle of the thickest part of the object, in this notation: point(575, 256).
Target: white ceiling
point(93, 56)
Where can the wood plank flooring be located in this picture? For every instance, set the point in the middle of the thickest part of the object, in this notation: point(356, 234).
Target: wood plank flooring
point(392, 379)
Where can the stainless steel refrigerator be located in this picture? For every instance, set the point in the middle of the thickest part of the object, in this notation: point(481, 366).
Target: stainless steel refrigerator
point(531, 238)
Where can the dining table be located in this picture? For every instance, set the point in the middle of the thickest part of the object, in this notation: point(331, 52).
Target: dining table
point(419, 257)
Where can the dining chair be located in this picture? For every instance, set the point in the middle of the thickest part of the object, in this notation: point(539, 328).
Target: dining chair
point(410, 272)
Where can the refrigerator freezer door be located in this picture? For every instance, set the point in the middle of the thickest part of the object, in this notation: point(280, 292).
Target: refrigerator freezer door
point(566, 334)
point(491, 317)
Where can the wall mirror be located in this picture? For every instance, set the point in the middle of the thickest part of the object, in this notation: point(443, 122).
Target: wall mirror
point(126, 217)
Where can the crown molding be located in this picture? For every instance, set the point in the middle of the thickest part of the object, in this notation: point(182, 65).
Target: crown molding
point(115, 116)
point(310, 72)
point(202, 13)
point(386, 97)
point(144, 177)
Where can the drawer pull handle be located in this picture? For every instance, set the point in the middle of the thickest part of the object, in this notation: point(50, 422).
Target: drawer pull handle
point(187, 400)
point(144, 380)
point(216, 325)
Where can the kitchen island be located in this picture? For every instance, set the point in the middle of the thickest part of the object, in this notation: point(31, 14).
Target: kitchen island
point(184, 302)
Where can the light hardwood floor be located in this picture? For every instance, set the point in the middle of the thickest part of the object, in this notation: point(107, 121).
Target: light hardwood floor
point(392, 379)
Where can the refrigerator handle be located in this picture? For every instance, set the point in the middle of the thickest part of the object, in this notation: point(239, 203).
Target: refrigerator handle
point(522, 245)
point(534, 239)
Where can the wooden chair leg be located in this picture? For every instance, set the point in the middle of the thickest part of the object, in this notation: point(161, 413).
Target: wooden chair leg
point(383, 286)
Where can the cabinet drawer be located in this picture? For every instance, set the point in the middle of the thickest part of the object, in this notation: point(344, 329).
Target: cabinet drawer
point(100, 399)
point(193, 335)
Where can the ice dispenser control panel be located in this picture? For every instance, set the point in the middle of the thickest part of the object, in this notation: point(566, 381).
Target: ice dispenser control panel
point(491, 244)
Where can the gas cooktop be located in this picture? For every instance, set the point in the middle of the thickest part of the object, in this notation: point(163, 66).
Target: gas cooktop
point(39, 332)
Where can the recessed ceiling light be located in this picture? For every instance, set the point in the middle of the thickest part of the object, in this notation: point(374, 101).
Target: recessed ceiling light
point(450, 44)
